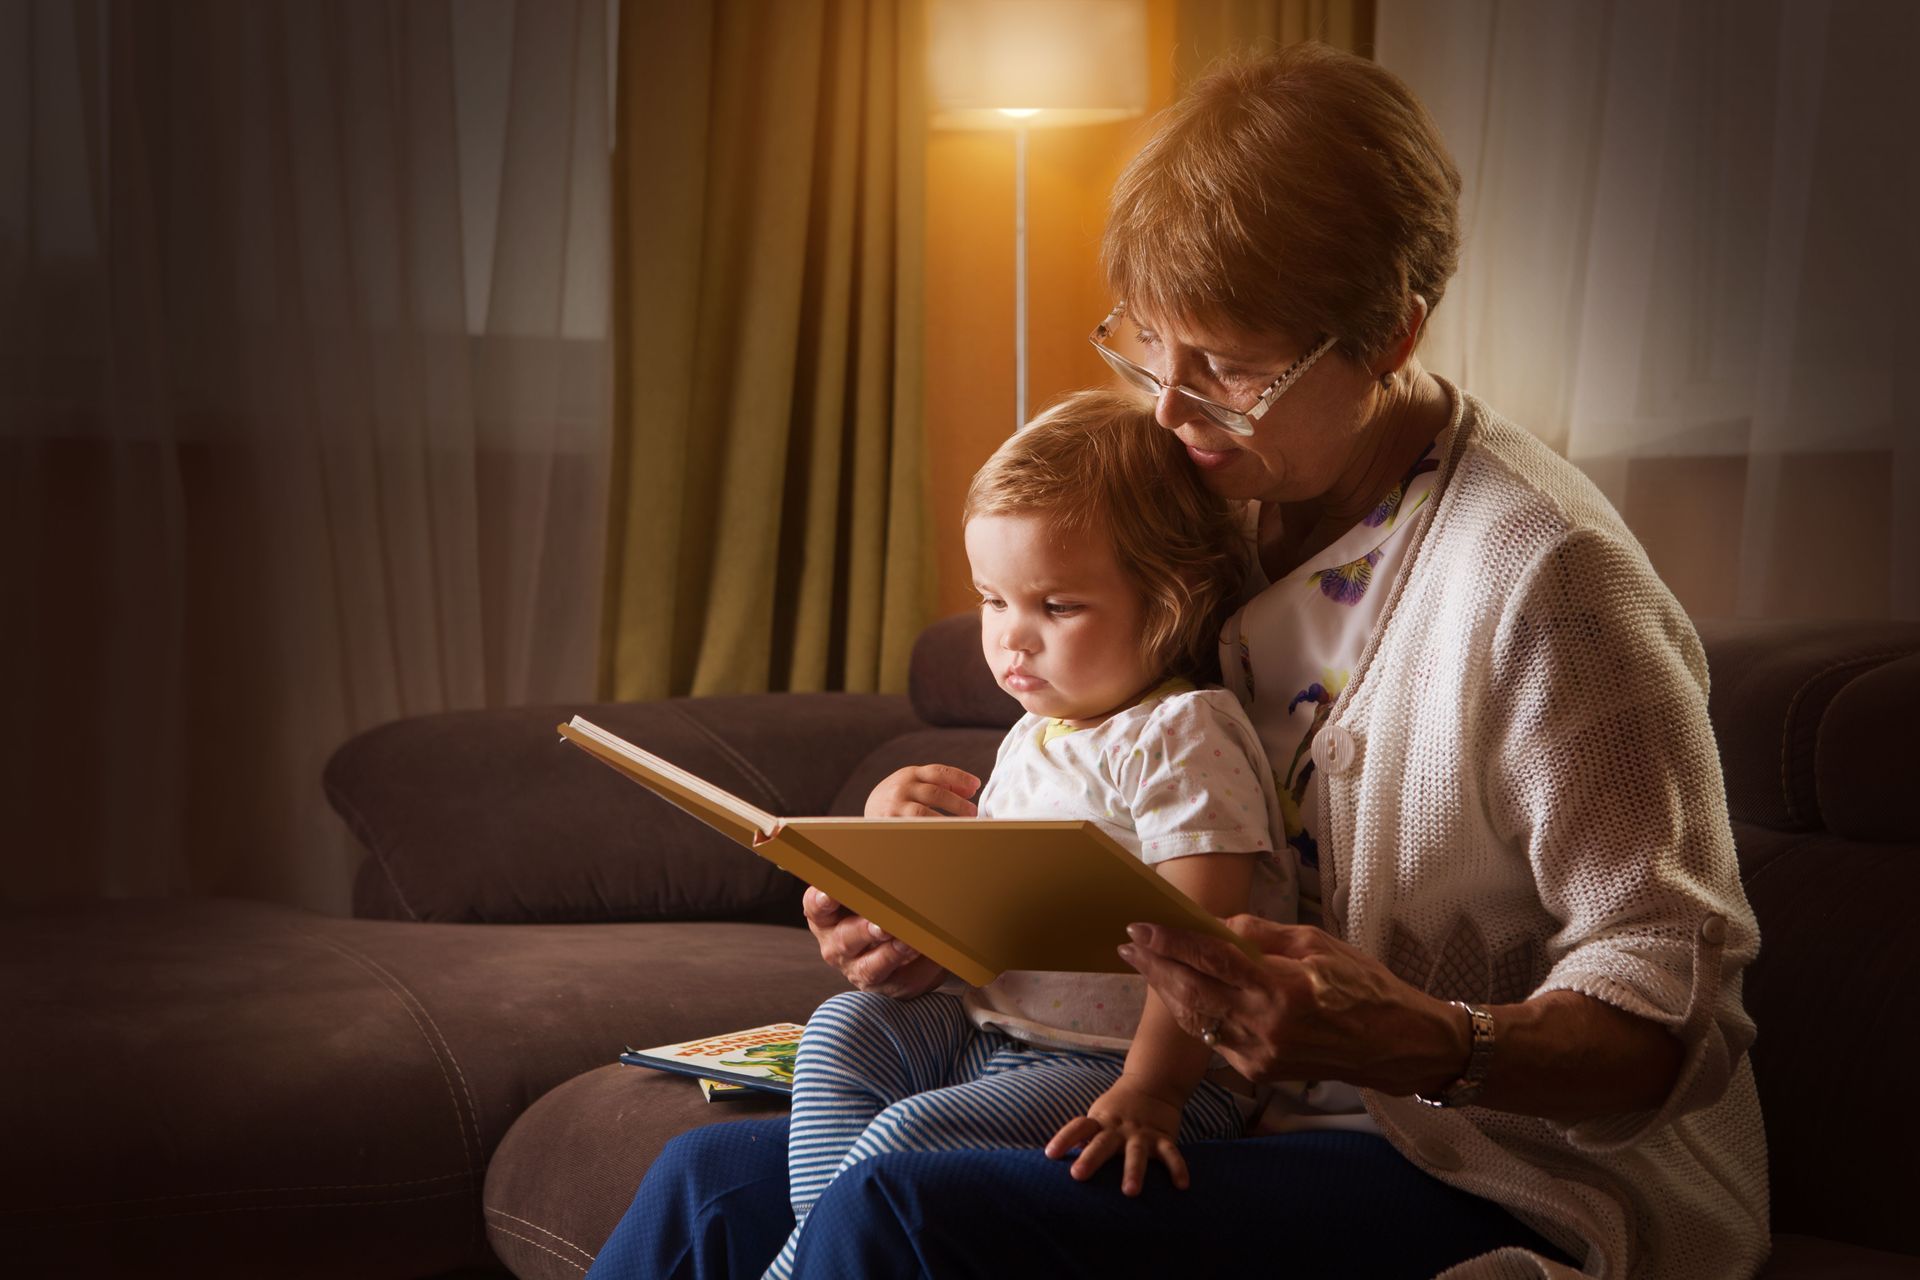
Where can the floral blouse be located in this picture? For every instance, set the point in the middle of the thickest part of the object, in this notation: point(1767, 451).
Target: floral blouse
point(1287, 652)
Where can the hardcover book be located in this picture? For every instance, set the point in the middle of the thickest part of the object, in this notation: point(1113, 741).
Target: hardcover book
point(759, 1059)
point(977, 895)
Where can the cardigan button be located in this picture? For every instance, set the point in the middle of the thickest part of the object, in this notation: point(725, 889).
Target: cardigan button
point(1713, 930)
point(1335, 749)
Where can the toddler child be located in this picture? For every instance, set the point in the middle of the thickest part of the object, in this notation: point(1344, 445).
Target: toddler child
point(1104, 569)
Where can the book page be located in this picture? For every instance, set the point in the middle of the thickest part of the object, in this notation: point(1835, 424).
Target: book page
point(715, 806)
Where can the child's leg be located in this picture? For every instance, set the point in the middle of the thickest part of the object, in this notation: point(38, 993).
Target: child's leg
point(1017, 1097)
point(861, 1053)
point(1021, 1097)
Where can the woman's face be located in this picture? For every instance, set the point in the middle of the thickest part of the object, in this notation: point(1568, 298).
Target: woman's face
point(1300, 449)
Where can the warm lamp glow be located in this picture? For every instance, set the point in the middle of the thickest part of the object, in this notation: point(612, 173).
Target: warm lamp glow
point(1063, 62)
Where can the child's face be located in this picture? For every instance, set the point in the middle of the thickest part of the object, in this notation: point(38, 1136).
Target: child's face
point(1059, 623)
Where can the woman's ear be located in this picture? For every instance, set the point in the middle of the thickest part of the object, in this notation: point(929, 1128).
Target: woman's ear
point(1395, 357)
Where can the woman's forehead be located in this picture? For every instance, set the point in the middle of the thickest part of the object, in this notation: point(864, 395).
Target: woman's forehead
point(1214, 334)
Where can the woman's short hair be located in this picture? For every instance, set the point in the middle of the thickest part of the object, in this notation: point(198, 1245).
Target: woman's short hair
point(1097, 464)
point(1304, 192)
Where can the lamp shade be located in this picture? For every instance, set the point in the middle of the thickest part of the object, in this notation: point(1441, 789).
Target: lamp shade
point(1041, 63)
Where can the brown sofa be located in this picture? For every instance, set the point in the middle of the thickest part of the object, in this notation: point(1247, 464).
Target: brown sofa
point(227, 1088)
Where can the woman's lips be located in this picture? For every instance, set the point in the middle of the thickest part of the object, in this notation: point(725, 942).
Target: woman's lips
point(1208, 459)
point(1023, 681)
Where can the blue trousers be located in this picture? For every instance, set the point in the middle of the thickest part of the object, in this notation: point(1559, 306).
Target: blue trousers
point(715, 1204)
point(877, 1075)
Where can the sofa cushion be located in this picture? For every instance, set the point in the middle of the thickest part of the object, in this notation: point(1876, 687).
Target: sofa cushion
point(949, 679)
point(969, 749)
point(218, 1088)
point(1832, 992)
point(568, 1169)
point(490, 817)
point(1772, 684)
point(1866, 753)
point(1809, 1258)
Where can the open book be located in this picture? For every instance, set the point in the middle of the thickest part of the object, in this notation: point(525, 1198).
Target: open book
point(978, 895)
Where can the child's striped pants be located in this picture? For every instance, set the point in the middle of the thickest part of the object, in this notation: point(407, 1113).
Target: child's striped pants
point(876, 1074)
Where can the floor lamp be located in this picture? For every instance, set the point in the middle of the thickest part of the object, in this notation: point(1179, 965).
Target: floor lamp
point(1020, 65)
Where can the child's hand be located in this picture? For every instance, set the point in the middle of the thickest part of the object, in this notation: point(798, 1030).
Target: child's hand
point(924, 791)
point(1128, 1119)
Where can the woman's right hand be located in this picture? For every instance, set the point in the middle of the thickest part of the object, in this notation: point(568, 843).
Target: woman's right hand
point(869, 957)
point(924, 791)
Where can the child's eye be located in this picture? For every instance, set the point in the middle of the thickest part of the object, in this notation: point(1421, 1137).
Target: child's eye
point(989, 602)
point(1060, 610)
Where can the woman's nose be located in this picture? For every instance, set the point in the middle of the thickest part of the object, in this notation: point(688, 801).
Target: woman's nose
point(1171, 409)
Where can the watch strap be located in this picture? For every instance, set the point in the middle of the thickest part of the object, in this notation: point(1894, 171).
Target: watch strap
point(1467, 1087)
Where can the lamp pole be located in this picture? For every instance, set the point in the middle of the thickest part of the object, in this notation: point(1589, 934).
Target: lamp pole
point(1020, 276)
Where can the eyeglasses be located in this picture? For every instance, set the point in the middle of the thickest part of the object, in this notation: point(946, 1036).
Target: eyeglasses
point(1238, 421)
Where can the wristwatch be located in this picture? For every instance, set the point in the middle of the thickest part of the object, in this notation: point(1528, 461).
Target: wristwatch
point(1465, 1089)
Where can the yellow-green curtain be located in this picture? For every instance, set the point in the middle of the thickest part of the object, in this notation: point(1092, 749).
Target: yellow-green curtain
point(1206, 29)
point(766, 514)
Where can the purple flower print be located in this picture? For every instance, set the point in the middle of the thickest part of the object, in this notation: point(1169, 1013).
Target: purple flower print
point(1305, 847)
point(1390, 504)
point(1315, 693)
point(1347, 583)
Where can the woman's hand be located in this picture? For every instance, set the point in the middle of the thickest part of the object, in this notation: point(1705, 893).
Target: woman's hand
point(924, 791)
point(1311, 1008)
point(869, 957)
point(1129, 1119)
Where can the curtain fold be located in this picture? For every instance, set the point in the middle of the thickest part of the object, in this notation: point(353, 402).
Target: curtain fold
point(1686, 263)
point(303, 376)
point(766, 527)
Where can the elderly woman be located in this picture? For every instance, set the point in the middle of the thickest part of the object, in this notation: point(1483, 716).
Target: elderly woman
point(1507, 1034)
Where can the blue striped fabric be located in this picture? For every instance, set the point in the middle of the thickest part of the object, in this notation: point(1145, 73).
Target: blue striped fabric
point(878, 1075)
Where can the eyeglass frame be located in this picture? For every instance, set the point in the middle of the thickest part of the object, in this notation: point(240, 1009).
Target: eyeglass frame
point(1237, 421)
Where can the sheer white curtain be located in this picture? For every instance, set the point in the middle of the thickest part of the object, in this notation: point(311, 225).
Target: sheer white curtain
point(1690, 266)
point(303, 383)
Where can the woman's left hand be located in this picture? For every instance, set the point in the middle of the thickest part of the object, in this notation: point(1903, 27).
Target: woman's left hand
point(1311, 1008)
point(1127, 1119)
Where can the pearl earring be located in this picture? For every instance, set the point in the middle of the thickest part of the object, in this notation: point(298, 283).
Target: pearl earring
point(1386, 381)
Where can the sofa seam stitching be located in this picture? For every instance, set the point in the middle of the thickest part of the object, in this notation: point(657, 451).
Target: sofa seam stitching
point(505, 1231)
point(442, 1051)
point(489, 1209)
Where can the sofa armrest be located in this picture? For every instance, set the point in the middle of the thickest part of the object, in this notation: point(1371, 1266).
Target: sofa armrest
point(488, 816)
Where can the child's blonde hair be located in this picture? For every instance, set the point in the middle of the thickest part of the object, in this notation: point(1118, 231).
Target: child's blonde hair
point(1097, 462)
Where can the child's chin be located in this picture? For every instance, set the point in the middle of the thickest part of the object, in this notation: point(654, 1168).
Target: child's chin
point(1054, 707)
point(1038, 704)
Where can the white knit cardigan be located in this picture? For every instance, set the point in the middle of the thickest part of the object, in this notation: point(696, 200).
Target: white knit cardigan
point(1522, 795)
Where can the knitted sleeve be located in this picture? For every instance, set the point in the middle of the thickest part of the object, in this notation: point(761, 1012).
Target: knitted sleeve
point(1603, 769)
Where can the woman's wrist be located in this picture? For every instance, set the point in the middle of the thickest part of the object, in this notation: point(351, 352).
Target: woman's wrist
point(1439, 1051)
